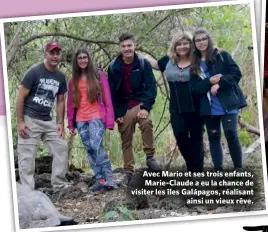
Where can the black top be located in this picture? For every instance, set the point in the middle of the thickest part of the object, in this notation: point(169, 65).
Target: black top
point(44, 86)
point(143, 85)
point(229, 93)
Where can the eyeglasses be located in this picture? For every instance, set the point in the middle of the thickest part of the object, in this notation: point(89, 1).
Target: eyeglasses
point(202, 39)
point(82, 58)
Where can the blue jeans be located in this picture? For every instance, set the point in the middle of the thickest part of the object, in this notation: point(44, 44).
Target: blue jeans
point(91, 133)
point(229, 124)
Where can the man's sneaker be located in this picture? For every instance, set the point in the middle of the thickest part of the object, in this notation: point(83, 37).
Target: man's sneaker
point(97, 186)
point(152, 164)
point(64, 188)
point(62, 192)
point(110, 184)
point(127, 178)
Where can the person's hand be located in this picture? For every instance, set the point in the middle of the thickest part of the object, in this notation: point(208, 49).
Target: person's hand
point(119, 120)
point(60, 130)
point(214, 89)
point(72, 131)
point(142, 114)
point(215, 79)
point(22, 129)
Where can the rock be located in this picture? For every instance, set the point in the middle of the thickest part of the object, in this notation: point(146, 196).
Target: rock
point(174, 214)
point(124, 197)
point(82, 186)
point(36, 210)
point(72, 192)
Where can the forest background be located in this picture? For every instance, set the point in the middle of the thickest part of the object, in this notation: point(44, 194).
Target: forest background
point(230, 26)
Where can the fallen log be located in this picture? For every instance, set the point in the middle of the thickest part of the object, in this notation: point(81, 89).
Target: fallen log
point(253, 146)
point(248, 127)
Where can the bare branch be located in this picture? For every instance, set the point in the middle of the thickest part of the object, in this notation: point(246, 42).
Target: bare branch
point(162, 115)
point(23, 43)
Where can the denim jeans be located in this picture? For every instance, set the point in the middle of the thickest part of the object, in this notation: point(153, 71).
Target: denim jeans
point(91, 133)
point(229, 124)
point(188, 129)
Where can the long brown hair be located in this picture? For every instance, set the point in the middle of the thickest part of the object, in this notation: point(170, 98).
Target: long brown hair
point(172, 53)
point(196, 57)
point(93, 84)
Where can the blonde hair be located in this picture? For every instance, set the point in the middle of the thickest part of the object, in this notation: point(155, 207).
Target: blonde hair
point(172, 53)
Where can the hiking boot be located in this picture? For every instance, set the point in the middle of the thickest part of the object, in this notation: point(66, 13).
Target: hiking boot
point(152, 164)
point(97, 186)
point(127, 178)
point(239, 169)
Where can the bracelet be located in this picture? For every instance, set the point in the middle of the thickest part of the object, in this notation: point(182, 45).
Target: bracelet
point(60, 123)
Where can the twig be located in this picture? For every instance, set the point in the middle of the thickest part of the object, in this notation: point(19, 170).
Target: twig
point(171, 158)
point(162, 130)
point(162, 115)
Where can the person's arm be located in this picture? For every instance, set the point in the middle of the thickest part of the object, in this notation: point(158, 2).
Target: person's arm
point(150, 90)
point(108, 101)
point(234, 74)
point(24, 90)
point(70, 109)
point(118, 118)
point(160, 64)
point(201, 86)
point(152, 61)
point(22, 127)
point(60, 109)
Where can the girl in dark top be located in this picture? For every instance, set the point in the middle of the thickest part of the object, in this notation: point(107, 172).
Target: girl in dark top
point(186, 123)
point(215, 78)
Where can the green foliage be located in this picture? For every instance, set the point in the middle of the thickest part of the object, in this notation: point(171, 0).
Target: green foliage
point(122, 213)
point(110, 215)
point(230, 27)
point(245, 138)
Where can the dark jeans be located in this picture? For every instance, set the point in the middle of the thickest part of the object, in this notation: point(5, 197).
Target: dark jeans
point(188, 129)
point(229, 124)
point(266, 149)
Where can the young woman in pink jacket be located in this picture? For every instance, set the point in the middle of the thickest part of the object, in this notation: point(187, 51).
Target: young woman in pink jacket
point(90, 111)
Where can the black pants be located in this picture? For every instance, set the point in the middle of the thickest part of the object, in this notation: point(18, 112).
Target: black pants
point(188, 129)
point(266, 149)
point(229, 124)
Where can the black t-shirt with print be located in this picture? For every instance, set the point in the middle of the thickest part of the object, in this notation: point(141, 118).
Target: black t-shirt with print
point(44, 87)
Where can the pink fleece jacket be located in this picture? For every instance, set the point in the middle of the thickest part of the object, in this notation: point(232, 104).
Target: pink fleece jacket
point(106, 110)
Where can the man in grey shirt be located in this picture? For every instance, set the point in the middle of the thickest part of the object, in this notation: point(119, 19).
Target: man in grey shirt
point(40, 86)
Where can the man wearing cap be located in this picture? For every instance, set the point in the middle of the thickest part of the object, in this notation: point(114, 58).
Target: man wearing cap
point(40, 86)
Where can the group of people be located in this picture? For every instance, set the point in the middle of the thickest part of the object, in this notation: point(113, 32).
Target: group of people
point(203, 83)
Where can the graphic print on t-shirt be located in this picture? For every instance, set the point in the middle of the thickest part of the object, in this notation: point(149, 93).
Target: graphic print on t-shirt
point(46, 92)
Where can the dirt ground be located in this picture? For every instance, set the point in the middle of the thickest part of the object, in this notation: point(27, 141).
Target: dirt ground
point(119, 205)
